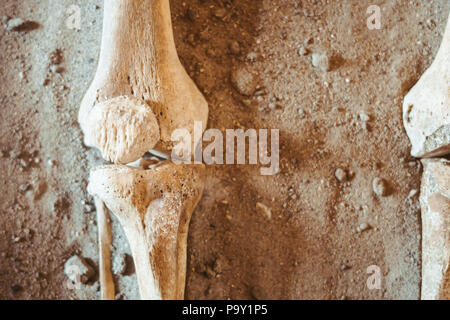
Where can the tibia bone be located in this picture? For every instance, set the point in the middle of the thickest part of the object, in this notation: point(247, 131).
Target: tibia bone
point(154, 207)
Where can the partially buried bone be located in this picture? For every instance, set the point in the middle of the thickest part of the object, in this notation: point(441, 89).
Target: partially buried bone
point(426, 108)
point(104, 243)
point(154, 207)
point(435, 204)
point(138, 69)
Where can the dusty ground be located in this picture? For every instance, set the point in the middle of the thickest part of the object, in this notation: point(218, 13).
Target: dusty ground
point(347, 118)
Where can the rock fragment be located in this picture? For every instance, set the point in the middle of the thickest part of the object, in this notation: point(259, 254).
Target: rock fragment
point(20, 25)
point(341, 175)
point(244, 81)
point(301, 112)
point(303, 51)
point(14, 24)
point(321, 61)
point(220, 13)
point(265, 210)
point(380, 187)
point(78, 270)
point(89, 207)
point(235, 47)
point(120, 264)
point(363, 227)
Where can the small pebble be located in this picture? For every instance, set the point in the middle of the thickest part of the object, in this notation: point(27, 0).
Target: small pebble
point(265, 210)
point(412, 193)
point(380, 187)
point(78, 270)
point(24, 187)
point(364, 117)
point(23, 163)
point(303, 51)
point(244, 81)
point(363, 227)
point(14, 24)
point(210, 272)
point(120, 264)
point(235, 48)
point(321, 61)
point(88, 208)
point(220, 13)
point(341, 175)
point(308, 41)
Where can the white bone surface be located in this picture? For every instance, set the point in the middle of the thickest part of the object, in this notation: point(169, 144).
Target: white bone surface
point(154, 207)
point(435, 204)
point(426, 108)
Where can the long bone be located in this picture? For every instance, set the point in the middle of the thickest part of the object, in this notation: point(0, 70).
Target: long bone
point(426, 108)
point(435, 203)
point(154, 207)
point(139, 77)
point(104, 241)
point(426, 116)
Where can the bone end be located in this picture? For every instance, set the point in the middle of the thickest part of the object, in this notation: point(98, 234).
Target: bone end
point(426, 117)
point(154, 207)
point(122, 128)
point(426, 108)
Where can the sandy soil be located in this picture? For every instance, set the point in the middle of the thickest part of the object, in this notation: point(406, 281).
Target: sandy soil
point(347, 118)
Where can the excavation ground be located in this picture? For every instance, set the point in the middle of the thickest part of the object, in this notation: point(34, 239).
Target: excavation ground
point(345, 116)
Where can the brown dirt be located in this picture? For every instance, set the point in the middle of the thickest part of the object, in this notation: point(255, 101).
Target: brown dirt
point(235, 252)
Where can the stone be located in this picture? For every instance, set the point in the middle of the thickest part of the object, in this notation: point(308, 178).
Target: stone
point(435, 205)
point(120, 264)
point(14, 24)
point(244, 81)
point(220, 13)
point(363, 227)
point(303, 51)
point(78, 270)
point(321, 61)
point(264, 210)
point(301, 113)
point(341, 175)
point(380, 187)
point(235, 47)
